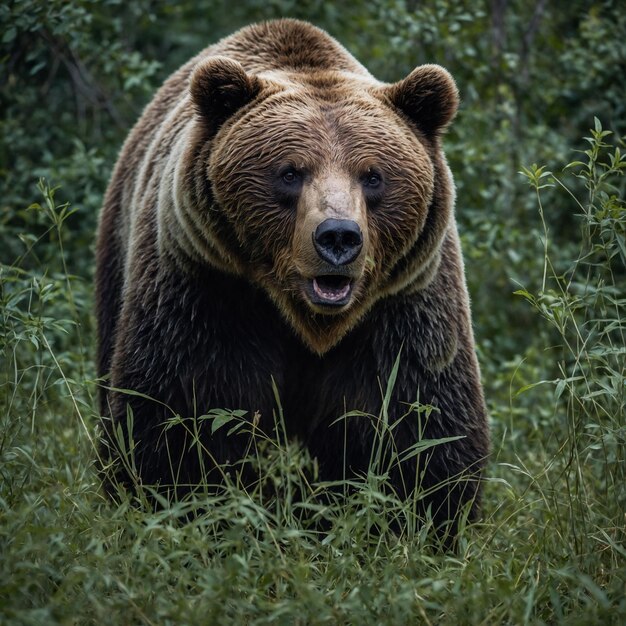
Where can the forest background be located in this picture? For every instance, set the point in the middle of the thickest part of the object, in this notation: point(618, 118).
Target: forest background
point(545, 247)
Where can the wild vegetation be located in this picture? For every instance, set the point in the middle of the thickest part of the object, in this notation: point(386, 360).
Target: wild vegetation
point(536, 152)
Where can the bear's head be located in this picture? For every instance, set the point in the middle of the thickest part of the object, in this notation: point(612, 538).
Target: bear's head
point(325, 187)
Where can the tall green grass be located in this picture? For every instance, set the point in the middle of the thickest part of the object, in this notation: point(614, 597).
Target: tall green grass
point(551, 545)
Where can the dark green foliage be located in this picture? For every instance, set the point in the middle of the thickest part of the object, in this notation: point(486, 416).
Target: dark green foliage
point(74, 77)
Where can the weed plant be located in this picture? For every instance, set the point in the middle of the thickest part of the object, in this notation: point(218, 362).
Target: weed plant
point(549, 549)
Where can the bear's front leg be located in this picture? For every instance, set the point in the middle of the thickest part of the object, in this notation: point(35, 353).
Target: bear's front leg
point(187, 345)
point(434, 440)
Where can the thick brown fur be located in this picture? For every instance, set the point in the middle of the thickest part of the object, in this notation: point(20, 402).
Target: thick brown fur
point(204, 254)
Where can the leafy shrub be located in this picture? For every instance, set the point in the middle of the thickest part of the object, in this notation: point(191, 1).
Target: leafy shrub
point(585, 305)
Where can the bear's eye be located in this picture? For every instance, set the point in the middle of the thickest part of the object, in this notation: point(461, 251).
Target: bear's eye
point(290, 176)
point(288, 186)
point(372, 180)
point(373, 187)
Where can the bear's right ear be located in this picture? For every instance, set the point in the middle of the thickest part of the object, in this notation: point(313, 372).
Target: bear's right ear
point(219, 87)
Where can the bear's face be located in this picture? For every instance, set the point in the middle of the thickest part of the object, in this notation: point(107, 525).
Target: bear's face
point(322, 183)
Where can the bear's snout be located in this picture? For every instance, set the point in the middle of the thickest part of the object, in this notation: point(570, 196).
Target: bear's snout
point(338, 242)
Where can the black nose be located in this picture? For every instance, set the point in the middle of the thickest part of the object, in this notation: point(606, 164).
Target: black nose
point(338, 241)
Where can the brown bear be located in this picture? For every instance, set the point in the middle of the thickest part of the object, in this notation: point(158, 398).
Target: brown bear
point(278, 214)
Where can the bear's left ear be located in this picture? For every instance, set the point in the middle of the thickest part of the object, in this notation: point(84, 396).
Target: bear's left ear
point(428, 96)
point(219, 87)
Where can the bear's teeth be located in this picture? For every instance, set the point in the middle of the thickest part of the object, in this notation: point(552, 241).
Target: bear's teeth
point(331, 288)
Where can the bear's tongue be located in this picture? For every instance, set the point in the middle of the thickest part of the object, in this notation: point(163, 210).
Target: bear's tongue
point(331, 288)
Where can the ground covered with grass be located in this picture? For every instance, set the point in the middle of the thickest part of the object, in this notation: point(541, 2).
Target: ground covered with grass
point(545, 250)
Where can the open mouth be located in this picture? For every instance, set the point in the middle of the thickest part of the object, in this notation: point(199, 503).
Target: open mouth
point(333, 290)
